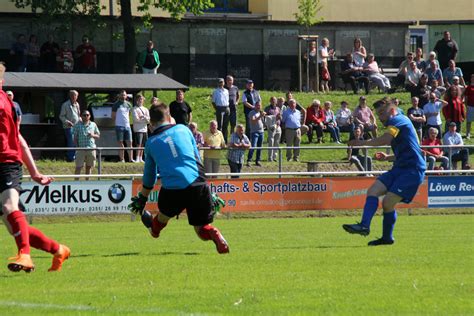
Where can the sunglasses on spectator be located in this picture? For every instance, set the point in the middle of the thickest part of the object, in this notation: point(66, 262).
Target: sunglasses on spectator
point(86, 115)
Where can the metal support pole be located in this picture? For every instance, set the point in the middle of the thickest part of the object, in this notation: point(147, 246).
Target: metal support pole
point(365, 158)
point(99, 163)
point(279, 161)
point(300, 71)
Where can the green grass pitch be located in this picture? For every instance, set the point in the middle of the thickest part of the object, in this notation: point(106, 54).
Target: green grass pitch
point(292, 266)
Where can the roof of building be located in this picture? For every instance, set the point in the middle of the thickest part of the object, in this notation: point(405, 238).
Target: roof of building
point(88, 82)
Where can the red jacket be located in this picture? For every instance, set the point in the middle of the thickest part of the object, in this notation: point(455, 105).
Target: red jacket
point(454, 111)
point(315, 115)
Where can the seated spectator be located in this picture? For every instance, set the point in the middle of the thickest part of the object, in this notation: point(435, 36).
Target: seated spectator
point(434, 73)
point(325, 77)
point(422, 91)
point(437, 89)
point(457, 153)
point(454, 111)
point(431, 58)
point(353, 154)
point(420, 62)
point(292, 120)
point(315, 121)
point(417, 117)
point(344, 118)
point(330, 123)
point(412, 77)
point(198, 138)
point(17, 107)
point(273, 122)
point(239, 142)
point(469, 101)
point(371, 68)
point(215, 141)
point(352, 74)
point(433, 155)
point(364, 116)
point(140, 119)
point(403, 69)
point(432, 112)
point(451, 72)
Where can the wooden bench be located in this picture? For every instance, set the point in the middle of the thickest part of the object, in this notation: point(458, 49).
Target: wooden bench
point(313, 166)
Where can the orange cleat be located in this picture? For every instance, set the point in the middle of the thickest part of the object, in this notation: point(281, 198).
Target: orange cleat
point(221, 244)
point(22, 261)
point(59, 257)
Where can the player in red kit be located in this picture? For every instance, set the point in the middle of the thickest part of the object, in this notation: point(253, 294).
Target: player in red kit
point(14, 152)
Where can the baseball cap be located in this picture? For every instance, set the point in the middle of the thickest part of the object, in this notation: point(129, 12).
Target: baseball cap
point(452, 124)
point(221, 80)
point(249, 81)
point(455, 78)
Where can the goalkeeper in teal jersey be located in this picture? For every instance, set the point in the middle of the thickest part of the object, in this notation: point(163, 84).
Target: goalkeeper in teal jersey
point(171, 151)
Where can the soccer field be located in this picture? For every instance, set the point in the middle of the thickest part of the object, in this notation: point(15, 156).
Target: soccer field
point(276, 266)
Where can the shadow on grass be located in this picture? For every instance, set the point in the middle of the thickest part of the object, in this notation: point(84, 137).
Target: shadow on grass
point(322, 247)
point(123, 254)
point(171, 253)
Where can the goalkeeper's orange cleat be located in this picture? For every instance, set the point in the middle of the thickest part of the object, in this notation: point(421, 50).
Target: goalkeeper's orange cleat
point(59, 257)
point(218, 239)
point(22, 261)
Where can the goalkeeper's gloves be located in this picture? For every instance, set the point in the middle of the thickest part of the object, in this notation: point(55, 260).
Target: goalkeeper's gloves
point(138, 204)
point(217, 202)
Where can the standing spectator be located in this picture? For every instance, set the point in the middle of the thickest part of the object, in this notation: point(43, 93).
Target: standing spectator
point(353, 154)
point(273, 124)
point(437, 89)
point(403, 69)
point(432, 111)
point(180, 109)
point(17, 106)
point(469, 101)
point(352, 74)
point(249, 98)
point(451, 72)
point(433, 155)
point(422, 91)
point(456, 83)
point(412, 77)
point(69, 116)
point(65, 58)
point(220, 102)
point(364, 116)
point(121, 116)
point(85, 133)
point(239, 142)
point(33, 54)
point(417, 117)
point(447, 49)
point(454, 111)
point(315, 121)
point(311, 58)
point(359, 53)
point(431, 57)
point(19, 53)
point(325, 77)
point(324, 52)
point(420, 62)
point(371, 68)
point(256, 119)
point(289, 96)
point(215, 141)
point(434, 73)
point(344, 118)
point(148, 59)
point(234, 98)
point(87, 57)
point(330, 123)
point(49, 51)
point(292, 120)
point(140, 119)
point(457, 152)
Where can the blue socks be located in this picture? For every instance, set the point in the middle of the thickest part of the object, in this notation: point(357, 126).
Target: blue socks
point(370, 207)
point(389, 220)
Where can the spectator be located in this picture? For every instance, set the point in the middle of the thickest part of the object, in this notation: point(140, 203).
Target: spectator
point(312, 59)
point(148, 59)
point(364, 116)
point(273, 122)
point(457, 152)
point(85, 133)
point(180, 109)
point(19, 53)
point(353, 154)
point(198, 138)
point(422, 91)
point(434, 73)
point(454, 111)
point(359, 53)
point(371, 68)
point(420, 62)
point(234, 98)
point(469, 101)
point(281, 104)
point(403, 69)
point(457, 84)
point(432, 112)
point(239, 142)
point(324, 52)
point(256, 119)
point(417, 117)
point(330, 123)
point(289, 96)
point(69, 116)
point(437, 89)
point(86, 55)
point(215, 141)
point(431, 57)
point(451, 72)
point(249, 98)
point(292, 120)
point(325, 77)
point(65, 58)
point(315, 121)
point(352, 74)
point(121, 116)
point(140, 119)
point(433, 155)
point(344, 118)
point(49, 51)
point(447, 49)
point(412, 77)
point(220, 102)
point(32, 63)
point(17, 106)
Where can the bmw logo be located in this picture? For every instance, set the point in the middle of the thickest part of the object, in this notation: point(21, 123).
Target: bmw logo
point(116, 193)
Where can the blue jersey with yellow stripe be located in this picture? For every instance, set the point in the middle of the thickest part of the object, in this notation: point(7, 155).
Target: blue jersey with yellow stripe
point(171, 151)
point(405, 143)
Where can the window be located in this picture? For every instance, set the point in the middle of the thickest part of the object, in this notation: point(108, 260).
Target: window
point(239, 6)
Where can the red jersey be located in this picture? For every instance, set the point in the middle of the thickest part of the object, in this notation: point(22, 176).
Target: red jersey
point(429, 142)
point(469, 93)
point(87, 59)
point(10, 149)
point(454, 111)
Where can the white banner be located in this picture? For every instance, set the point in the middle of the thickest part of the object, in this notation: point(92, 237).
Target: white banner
point(78, 197)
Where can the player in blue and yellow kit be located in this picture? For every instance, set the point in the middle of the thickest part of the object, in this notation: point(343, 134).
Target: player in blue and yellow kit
point(401, 183)
point(171, 151)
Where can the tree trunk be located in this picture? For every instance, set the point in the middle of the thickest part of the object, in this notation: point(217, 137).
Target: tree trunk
point(129, 37)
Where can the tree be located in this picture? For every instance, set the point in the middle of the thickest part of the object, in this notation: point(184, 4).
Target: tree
point(308, 11)
point(67, 11)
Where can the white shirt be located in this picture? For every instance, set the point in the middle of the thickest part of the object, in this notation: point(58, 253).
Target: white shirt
point(141, 118)
point(220, 97)
point(322, 51)
point(453, 139)
point(343, 117)
point(433, 108)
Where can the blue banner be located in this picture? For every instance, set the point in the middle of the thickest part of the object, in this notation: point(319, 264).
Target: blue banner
point(455, 191)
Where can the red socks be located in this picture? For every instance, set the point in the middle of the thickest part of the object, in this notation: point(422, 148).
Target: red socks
point(19, 226)
point(204, 232)
point(40, 241)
